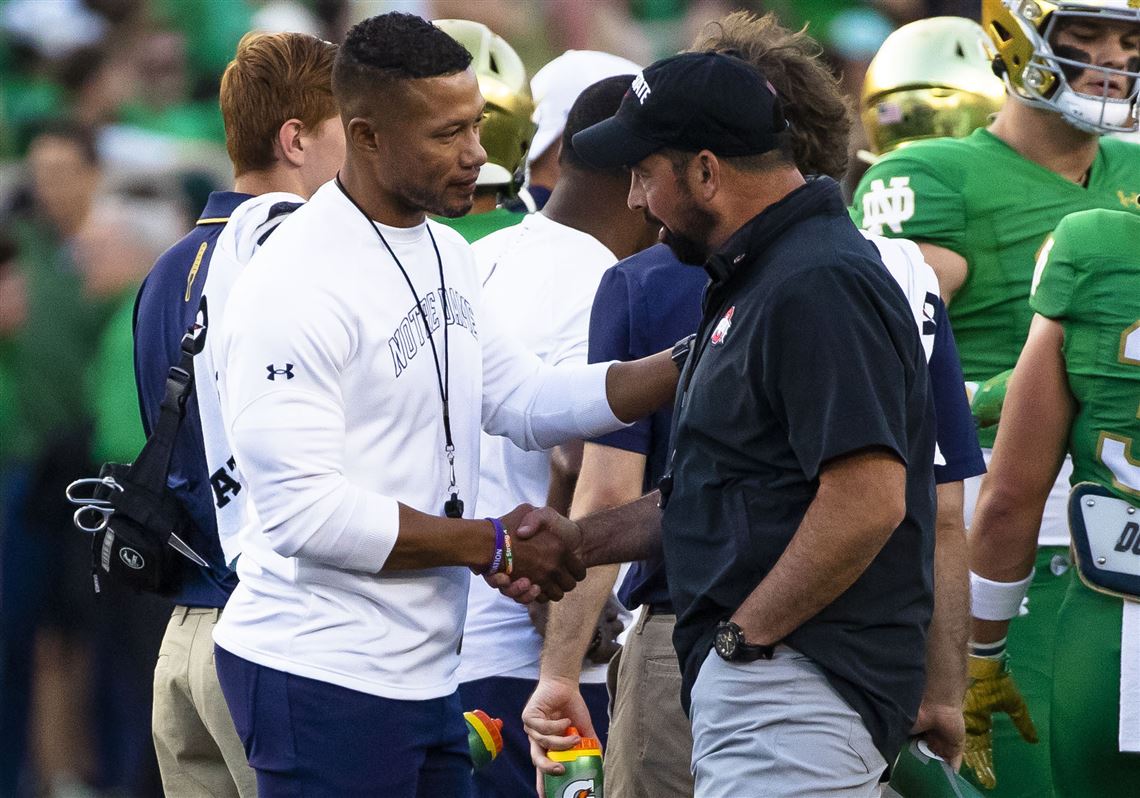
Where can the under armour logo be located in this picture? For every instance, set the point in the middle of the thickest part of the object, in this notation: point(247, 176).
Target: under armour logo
point(888, 205)
point(274, 371)
point(929, 325)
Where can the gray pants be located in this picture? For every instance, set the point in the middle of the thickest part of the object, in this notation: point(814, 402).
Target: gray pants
point(199, 752)
point(776, 728)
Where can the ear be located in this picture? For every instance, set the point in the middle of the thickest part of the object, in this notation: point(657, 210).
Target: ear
point(361, 135)
point(705, 174)
point(288, 145)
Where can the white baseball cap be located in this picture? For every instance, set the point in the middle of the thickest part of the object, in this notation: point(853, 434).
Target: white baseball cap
point(557, 85)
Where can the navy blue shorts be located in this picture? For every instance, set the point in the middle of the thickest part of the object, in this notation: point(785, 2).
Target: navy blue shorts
point(511, 774)
point(310, 738)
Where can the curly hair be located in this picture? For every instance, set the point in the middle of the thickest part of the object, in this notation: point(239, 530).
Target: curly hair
point(393, 47)
point(813, 101)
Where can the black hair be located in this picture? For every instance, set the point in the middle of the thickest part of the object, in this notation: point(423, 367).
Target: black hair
point(392, 47)
point(596, 103)
point(79, 67)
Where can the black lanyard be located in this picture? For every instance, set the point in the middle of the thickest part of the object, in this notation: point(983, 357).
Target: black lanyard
point(453, 507)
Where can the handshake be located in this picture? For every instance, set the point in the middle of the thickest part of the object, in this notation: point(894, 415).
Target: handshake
point(544, 561)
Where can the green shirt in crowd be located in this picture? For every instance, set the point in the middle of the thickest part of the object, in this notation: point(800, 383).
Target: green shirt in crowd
point(474, 226)
point(44, 362)
point(118, 433)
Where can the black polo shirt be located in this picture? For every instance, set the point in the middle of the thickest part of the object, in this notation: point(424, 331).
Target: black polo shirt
point(807, 351)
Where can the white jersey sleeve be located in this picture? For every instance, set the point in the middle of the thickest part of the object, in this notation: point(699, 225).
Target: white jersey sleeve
point(919, 284)
point(249, 225)
point(915, 277)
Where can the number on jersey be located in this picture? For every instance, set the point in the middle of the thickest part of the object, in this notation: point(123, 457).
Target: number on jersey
point(1115, 451)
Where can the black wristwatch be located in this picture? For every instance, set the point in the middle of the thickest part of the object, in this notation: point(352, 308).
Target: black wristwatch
point(731, 646)
point(681, 350)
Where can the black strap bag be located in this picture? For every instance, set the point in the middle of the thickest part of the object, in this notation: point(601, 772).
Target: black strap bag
point(138, 527)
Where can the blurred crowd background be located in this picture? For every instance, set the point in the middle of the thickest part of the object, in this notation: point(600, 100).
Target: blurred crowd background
point(110, 141)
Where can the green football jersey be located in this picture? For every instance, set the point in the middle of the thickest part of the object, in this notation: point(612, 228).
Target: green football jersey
point(1088, 279)
point(979, 198)
point(474, 226)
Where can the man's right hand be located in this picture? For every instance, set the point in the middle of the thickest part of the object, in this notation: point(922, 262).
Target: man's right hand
point(991, 689)
point(554, 707)
point(547, 553)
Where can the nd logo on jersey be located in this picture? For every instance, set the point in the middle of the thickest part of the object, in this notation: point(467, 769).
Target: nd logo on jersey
point(889, 205)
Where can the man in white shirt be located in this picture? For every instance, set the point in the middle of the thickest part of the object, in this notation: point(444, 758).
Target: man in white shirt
point(539, 278)
point(357, 369)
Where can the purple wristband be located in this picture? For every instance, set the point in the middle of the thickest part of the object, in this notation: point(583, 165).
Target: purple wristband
point(500, 546)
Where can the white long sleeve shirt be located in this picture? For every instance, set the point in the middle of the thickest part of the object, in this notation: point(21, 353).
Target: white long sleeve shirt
point(330, 396)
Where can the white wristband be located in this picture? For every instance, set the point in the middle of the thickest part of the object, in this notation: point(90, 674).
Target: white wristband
point(996, 601)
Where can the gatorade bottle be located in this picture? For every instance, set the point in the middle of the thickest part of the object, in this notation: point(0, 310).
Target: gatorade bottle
point(583, 776)
point(484, 737)
point(921, 773)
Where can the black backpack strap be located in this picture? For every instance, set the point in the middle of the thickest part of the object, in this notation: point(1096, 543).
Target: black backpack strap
point(151, 466)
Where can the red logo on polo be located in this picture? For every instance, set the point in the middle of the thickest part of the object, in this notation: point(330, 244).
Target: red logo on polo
point(722, 327)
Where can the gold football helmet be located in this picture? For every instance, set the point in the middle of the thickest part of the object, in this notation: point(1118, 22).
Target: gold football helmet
point(507, 127)
point(1036, 71)
point(930, 79)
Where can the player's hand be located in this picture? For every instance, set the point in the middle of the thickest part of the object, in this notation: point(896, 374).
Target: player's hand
point(991, 690)
point(987, 399)
point(943, 728)
point(546, 548)
point(554, 707)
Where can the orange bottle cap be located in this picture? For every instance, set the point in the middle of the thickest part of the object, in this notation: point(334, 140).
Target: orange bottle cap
point(584, 742)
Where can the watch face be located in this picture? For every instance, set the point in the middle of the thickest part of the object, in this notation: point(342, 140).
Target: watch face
point(725, 642)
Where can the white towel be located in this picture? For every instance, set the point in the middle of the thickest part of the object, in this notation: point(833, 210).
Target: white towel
point(1130, 678)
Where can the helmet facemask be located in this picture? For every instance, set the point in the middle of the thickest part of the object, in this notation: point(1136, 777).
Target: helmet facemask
point(1096, 113)
point(1046, 79)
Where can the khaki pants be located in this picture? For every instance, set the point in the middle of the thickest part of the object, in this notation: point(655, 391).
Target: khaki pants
point(199, 753)
point(650, 743)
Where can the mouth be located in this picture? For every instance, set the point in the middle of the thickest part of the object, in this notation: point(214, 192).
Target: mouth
point(467, 184)
point(1112, 88)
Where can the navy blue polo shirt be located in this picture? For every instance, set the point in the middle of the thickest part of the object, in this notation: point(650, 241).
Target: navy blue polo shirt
point(167, 305)
point(644, 304)
point(651, 300)
point(807, 351)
